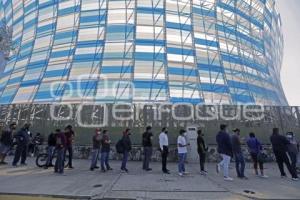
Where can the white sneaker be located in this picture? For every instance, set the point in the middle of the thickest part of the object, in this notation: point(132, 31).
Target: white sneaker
point(295, 179)
point(264, 176)
point(204, 173)
point(218, 168)
point(180, 174)
point(228, 179)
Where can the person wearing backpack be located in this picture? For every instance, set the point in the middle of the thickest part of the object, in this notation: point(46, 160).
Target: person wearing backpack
point(96, 149)
point(254, 147)
point(147, 145)
point(125, 147)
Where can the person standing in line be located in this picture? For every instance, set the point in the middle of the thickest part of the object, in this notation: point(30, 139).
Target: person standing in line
point(254, 147)
point(164, 148)
point(225, 150)
point(70, 135)
point(238, 154)
point(201, 148)
point(96, 148)
point(280, 147)
point(147, 145)
point(292, 149)
point(182, 152)
point(105, 150)
point(126, 146)
point(6, 142)
point(50, 150)
point(22, 140)
point(61, 144)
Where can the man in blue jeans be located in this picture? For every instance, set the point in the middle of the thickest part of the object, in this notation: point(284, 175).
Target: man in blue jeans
point(238, 154)
point(182, 152)
point(50, 150)
point(105, 149)
point(96, 149)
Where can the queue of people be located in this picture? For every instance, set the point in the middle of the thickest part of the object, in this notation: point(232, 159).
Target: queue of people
point(229, 146)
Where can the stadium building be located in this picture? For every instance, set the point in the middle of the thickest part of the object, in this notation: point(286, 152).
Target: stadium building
point(135, 51)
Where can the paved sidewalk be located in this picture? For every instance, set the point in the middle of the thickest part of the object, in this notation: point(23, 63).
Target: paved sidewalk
point(80, 183)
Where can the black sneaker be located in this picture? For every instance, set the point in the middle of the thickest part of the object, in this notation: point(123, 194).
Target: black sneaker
point(92, 169)
point(97, 167)
point(149, 169)
point(103, 170)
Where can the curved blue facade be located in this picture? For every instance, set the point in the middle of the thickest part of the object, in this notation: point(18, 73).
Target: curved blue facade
point(199, 51)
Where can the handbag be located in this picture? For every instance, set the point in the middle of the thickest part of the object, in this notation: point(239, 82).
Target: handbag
point(262, 157)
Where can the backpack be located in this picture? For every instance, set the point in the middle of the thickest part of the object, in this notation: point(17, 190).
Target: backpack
point(120, 146)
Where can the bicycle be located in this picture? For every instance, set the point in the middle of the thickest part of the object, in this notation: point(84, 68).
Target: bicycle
point(41, 159)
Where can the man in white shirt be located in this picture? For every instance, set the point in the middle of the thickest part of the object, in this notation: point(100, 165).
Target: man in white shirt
point(182, 152)
point(164, 143)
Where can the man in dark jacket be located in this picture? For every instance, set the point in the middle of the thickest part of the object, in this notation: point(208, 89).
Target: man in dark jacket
point(61, 144)
point(6, 142)
point(201, 148)
point(147, 144)
point(50, 150)
point(69, 134)
point(225, 150)
point(280, 147)
point(126, 145)
point(238, 154)
point(22, 140)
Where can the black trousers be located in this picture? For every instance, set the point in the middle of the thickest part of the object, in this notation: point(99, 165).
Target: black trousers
point(69, 149)
point(282, 158)
point(147, 157)
point(202, 157)
point(164, 158)
point(21, 152)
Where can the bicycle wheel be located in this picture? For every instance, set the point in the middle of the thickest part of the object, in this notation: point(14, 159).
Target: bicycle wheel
point(41, 160)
